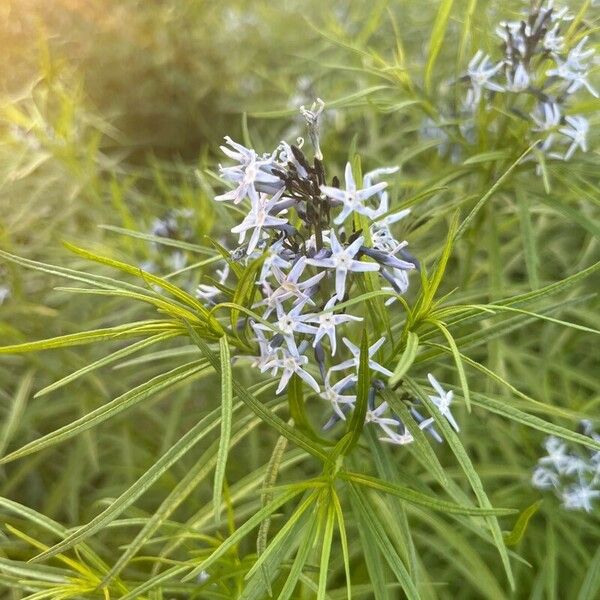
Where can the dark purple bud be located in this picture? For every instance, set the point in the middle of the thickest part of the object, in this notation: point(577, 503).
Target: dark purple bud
point(299, 156)
point(378, 384)
point(283, 205)
point(388, 260)
point(288, 230)
point(322, 253)
point(311, 291)
point(320, 358)
point(335, 418)
point(408, 257)
point(276, 341)
point(390, 279)
point(371, 398)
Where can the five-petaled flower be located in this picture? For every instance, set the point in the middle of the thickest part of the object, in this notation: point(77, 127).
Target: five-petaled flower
point(258, 219)
point(353, 362)
point(342, 260)
point(352, 199)
point(442, 401)
point(327, 321)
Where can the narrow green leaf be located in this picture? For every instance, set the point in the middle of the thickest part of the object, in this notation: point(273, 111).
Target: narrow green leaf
point(283, 534)
point(259, 585)
point(406, 359)
point(463, 458)
point(458, 361)
point(226, 418)
point(157, 239)
point(590, 589)
point(107, 360)
point(304, 549)
point(131, 494)
point(177, 292)
point(41, 573)
point(514, 414)
point(421, 499)
point(528, 236)
point(343, 540)
point(432, 285)
point(186, 486)
point(437, 39)
point(245, 289)
point(117, 332)
point(326, 550)
point(516, 535)
point(16, 410)
point(357, 421)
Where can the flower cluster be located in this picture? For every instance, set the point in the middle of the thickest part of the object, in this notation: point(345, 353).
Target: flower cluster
point(313, 243)
point(574, 477)
point(538, 74)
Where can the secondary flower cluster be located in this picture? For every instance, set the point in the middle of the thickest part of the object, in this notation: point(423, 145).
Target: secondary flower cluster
point(315, 244)
point(538, 74)
point(574, 477)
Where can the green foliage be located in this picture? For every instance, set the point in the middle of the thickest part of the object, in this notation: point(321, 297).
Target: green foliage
point(138, 459)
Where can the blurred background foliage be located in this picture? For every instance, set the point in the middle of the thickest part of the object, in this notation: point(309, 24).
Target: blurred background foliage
point(111, 114)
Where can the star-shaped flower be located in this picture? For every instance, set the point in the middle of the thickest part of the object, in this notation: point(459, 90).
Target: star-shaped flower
point(480, 71)
point(290, 287)
point(258, 219)
point(327, 322)
point(580, 497)
point(577, 131)
point(375, 415)
point(268, 355)
point(252, 174)
point(547, 119)
point(353, 362)
point(292, 363)
point(342, 260)
point(289, 323)
point(352, 199)
point(334, 394)
point(381, 236)
point(442, 400)
point(544, 479)
point(519, 81)
point(575, 70)
point(558, 457)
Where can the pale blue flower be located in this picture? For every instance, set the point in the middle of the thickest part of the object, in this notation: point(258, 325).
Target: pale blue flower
point(335, 394)
point(442, 401)
point(258, 219)
point(327, 321)
point(290, 287)
point(352, 200)
point(577, 131)
point(353, 362)
point(292, 364)
point(342, 260)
